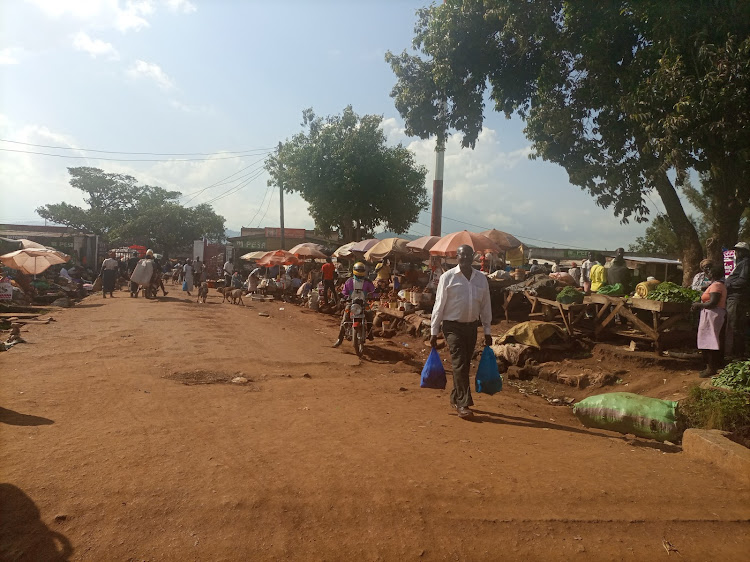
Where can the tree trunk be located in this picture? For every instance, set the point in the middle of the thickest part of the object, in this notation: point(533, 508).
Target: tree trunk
point(687, 237)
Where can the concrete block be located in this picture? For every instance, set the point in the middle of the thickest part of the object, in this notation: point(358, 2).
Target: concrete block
point(711, 445)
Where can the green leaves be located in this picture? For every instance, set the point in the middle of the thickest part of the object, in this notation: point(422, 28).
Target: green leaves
point(121, 210)
point(735, 376)
point(670, 292)
point(351, 180)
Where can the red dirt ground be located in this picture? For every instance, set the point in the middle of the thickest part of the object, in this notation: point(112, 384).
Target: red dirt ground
point(109, 455)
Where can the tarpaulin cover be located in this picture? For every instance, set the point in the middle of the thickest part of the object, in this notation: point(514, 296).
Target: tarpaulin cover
point(433, 372)
point(626, 412)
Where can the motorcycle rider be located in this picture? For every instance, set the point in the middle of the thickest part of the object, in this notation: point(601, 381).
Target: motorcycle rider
point(356, 287)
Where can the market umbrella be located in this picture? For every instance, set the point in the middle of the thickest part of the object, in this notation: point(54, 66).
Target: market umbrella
point(254, 255)
point(33, 260)
point(423, 244)
point(25, 243)
point(344, 251)
point(278, 257)
point(504, 240)
point(449, 243)
point(307, 250)
point(364, 245)
point(387, 247)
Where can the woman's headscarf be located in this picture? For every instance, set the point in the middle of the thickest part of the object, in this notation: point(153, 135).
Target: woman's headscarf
point(705, 263)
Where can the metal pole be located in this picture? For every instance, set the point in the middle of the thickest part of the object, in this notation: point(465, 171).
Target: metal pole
point(281, 203)
point(437, 189)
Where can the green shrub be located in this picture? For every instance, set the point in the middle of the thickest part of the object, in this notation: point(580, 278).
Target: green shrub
point(709, 408)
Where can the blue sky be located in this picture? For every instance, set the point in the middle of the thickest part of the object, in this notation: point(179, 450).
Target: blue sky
point(179, 76)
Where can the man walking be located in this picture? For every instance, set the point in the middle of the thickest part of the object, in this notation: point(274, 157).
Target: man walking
point(329, 280)
point(462, 300)
point(738, 298)
point(228, 271)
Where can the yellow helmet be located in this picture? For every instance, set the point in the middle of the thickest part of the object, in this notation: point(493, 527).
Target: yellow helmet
point(359, 269)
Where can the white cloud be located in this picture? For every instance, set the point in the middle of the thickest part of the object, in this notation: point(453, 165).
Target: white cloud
point(94, 47)
point(182, 6)
point(123, 16)
point(9, 55)
point(151, 71)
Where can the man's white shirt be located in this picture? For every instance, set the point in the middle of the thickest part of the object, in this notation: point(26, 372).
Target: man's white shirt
point(462, 300)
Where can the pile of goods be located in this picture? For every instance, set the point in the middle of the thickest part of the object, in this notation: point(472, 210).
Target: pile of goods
point(615, 290)
point(735, 376)
point(569, 295)
point(670, 292)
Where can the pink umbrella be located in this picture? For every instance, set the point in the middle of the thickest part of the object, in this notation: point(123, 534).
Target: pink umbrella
point(364, 245)
point(278, 257)
point(307, 250)
point(423, 244)
point(449, 243)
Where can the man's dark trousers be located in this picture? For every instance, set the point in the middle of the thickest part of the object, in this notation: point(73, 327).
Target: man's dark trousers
point(736, 326)
point(462, 339)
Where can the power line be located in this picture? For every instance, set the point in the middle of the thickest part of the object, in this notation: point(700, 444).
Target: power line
point(268, 188)
point(516, 235)
point(126, 159)
point(270, 199)
point(235, 189)
point(221, 182)
point(139, 153)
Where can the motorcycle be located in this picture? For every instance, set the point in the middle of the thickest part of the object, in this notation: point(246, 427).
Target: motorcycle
point(356, 325)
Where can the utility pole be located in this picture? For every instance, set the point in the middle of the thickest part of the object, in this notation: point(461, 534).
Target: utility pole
point(281, 202)
point(437, 189)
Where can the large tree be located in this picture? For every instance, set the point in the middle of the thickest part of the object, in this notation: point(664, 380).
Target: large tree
point(627, 96)
point(122, 211)
point(352, 181)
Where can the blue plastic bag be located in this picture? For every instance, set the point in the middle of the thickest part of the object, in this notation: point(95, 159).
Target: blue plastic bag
point(433, 373)
point(184, 285)
point(488, 379)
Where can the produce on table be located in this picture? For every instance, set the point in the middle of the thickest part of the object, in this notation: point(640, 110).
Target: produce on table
point(735, 376)
point(669, 292)
point(615, 290)
point(569, 295)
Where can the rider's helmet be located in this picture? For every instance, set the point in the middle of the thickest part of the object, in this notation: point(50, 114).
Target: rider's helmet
point(359, 269)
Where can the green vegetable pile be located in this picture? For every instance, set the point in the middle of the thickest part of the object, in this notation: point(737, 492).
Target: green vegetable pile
point(669, 292)
point(568, 295)
point(615, 290)
point(735, 376)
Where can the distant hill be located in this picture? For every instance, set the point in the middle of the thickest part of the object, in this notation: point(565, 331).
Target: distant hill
point(231, 233)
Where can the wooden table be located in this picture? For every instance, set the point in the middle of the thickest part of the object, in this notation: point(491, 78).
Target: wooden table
point(570, 314)
point(664, 316)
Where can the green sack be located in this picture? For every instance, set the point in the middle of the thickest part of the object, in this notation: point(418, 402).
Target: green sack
point(626, 412)
point(615, 290)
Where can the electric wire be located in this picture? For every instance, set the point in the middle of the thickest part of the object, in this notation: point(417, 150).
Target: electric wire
point(235, 189)
point(221, 182)
point(265, 149)
point(270, 199)
point(127, 159)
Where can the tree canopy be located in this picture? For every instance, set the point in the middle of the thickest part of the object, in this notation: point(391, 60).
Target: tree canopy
point(352, 181)
point(121, 211)
point(628, 97)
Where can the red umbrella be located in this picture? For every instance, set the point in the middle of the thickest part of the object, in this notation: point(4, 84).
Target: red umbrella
point(449, 243)
point(278, 257)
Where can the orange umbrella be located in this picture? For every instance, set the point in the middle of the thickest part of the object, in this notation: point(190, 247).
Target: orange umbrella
point(277, 257)
point(449, 243)
point(503, 239)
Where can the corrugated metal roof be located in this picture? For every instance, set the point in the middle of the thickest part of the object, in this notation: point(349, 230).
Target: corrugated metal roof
point(646, 259)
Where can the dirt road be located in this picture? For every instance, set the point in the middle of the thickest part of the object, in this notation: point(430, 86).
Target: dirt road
point(109, 455)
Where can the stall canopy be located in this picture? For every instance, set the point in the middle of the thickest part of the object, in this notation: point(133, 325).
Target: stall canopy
point(388, 247)
point(423, 244)
point(278, 257)
point(449, 243)
point(364, 245)
point(504, 240)
point(33, 260)
point(254, 255)
point(307, 250)
point(344, 251)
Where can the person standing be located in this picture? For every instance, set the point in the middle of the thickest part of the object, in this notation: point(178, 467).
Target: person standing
point(132, 263)
point(586, 272)
point(462, 300)
point(738, 298)
point(597, 273)
point(329, 276)
point(575, 273)
point(228, 271)
point(619, 271)
point(701, 280)
point(711, 326)
point(187, 270)
point(109, 272)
